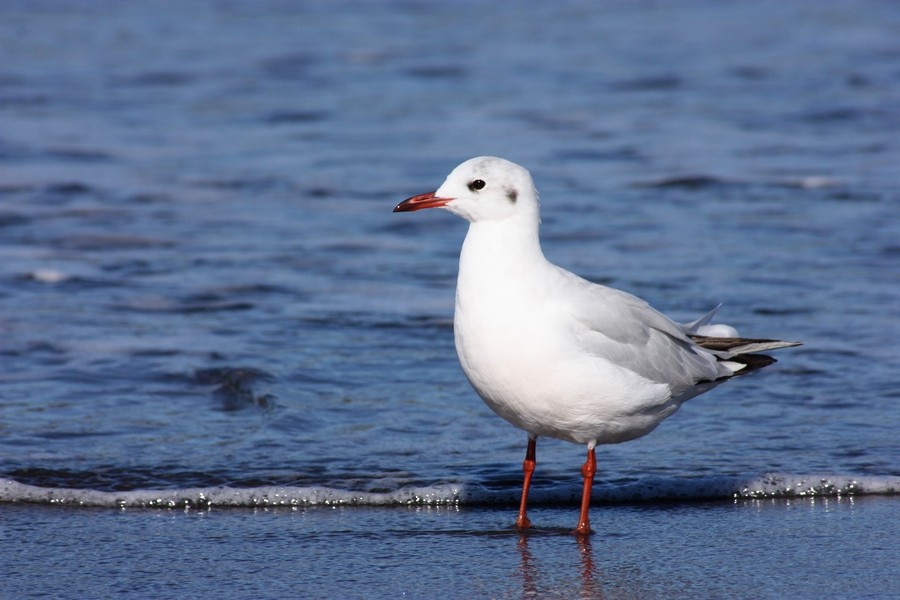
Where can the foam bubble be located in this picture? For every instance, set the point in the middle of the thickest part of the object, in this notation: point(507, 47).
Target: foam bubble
point(49, 276)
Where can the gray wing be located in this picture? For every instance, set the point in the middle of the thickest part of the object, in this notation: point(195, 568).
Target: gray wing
point(628, 332)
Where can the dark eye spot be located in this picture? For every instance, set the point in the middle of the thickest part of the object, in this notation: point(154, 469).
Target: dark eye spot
point(512, 194)
point(476, 185)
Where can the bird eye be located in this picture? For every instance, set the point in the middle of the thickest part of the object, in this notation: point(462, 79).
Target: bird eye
point(476, 185)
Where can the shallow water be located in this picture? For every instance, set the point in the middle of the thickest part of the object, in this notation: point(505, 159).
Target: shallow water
point(761, 548)
point(204, 294)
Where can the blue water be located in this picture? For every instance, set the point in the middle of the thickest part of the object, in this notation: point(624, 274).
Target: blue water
point(206, 302)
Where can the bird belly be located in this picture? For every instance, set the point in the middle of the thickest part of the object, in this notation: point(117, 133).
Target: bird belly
point(527, 373)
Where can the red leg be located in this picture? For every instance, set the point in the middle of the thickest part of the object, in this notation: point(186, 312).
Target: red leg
point(588, 470)
point(522, 521)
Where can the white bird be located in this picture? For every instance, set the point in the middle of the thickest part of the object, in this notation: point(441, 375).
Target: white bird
point(557, 355)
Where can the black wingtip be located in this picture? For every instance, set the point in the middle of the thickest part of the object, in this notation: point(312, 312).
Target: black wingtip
point(752, 362)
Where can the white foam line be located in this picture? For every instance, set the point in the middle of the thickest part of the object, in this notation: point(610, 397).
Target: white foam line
point(650, 489)
point(270, 496)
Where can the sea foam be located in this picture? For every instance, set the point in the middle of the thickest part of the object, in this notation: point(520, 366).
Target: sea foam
point(645, 490)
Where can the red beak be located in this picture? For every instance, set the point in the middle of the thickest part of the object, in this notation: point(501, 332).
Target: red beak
point(421, 201)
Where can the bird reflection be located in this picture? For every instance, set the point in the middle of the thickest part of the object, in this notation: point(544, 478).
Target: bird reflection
point(590, 581)
point(529, 569)
point(531, 575)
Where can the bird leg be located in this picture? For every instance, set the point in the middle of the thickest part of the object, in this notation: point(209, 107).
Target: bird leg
point(587, 470)
point(522, 521)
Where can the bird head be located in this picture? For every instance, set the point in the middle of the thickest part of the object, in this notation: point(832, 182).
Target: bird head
point(485, 188)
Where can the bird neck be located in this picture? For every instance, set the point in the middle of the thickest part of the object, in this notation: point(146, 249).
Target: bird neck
point(501, 247)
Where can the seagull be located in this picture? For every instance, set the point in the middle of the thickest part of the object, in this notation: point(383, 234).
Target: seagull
point(555, 354)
